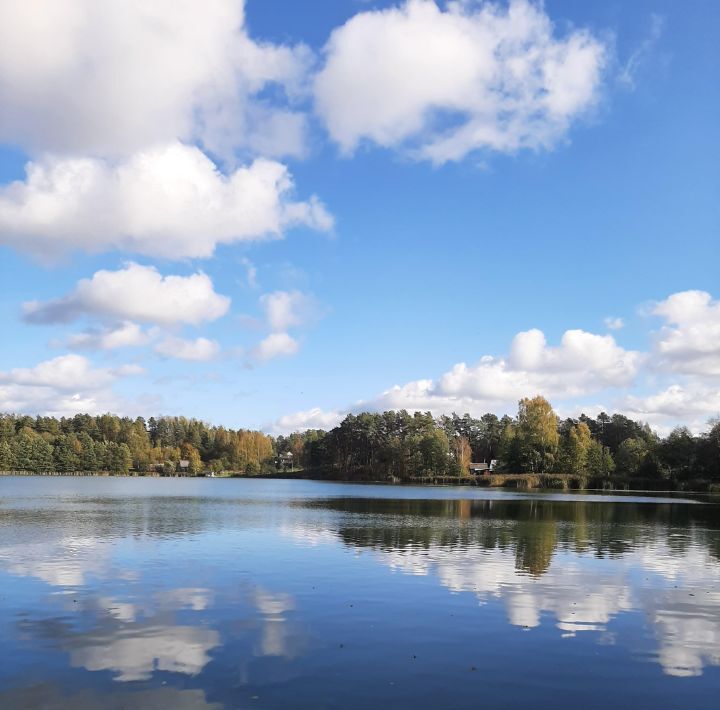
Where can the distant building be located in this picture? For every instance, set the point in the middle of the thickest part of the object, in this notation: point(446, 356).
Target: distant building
point(184, 465)
point(478, 468)
point(285, 461)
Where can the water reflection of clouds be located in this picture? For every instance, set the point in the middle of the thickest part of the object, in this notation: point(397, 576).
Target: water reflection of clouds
point(193, 598)
point(135, 635)
point(276, 638)
point(66, 563)
point(688, 633)
point(120, 643)
point(134, 652)
point(678, 591)
point(586, 597)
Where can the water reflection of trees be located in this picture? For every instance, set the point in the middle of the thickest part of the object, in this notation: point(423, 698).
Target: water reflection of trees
point(539, 557)
point(113, 518)
point(533, 529)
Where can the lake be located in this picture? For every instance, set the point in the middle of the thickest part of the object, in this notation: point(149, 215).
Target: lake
point(217, 593)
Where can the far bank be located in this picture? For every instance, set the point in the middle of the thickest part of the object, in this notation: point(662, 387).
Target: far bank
point(510, 481)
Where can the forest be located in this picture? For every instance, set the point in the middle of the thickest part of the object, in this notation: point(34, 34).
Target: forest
point(609, 451)
point(119, 445)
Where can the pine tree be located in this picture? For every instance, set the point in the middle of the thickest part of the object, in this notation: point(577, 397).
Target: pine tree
point(121, 459)
point(599, 460)
point(102, 456)
point(41, 456)
point(7, 462)
point(88, 459)
point(22, 450)
point(64, 456)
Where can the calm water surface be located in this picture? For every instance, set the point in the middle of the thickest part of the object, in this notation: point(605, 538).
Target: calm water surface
point(148, 593)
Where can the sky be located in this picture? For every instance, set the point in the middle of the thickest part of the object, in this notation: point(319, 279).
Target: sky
point(268, 214)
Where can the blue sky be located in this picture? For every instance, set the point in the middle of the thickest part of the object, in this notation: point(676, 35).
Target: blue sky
point(464, 175)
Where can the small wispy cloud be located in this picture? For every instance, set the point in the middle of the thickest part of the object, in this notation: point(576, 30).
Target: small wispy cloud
point(636, 61)
point(613, 323)
point(274, 346)
point(198, 350)
point(251, 273)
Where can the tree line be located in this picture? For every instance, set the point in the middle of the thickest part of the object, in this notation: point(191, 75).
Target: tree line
point(607, 450)
point(113, 444)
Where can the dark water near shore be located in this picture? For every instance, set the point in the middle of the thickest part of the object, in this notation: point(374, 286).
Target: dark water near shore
point(147, 593)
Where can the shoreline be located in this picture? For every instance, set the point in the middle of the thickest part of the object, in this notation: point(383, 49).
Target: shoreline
point(516, 482)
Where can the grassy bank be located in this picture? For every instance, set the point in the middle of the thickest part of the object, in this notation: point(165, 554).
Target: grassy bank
point(517, 481)
point(513, 481)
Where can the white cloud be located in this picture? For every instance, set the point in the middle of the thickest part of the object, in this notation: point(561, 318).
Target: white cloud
point(612, 323)
point(289, 309)
point(121, 335)
point(198, 350)
point(689, 343)
point(64, 385)
point(692, 403)
point(273, 346)
point(67, 372)
point(102, 78)
point(135, 292)
point(166, 201)
point(593, 361)
point(583, 363)
point(283, 310)
point(442, 83)
point(314, 418)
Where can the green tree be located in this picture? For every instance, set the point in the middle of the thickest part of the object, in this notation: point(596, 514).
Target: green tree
point(435, 451)
point(537, 431)
point(138, 441)
point(102, 455)
point(600, 462)
point(88, 458)
point(574, 449)
point(708, 452)
point(510, 449)
point(630, 456)
point(192, 455)
point(22, 450)
point(65, 457)
point(7, 460)
point(42, 455)
point(121, 459)
point(678, 453)
point(7, 428)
